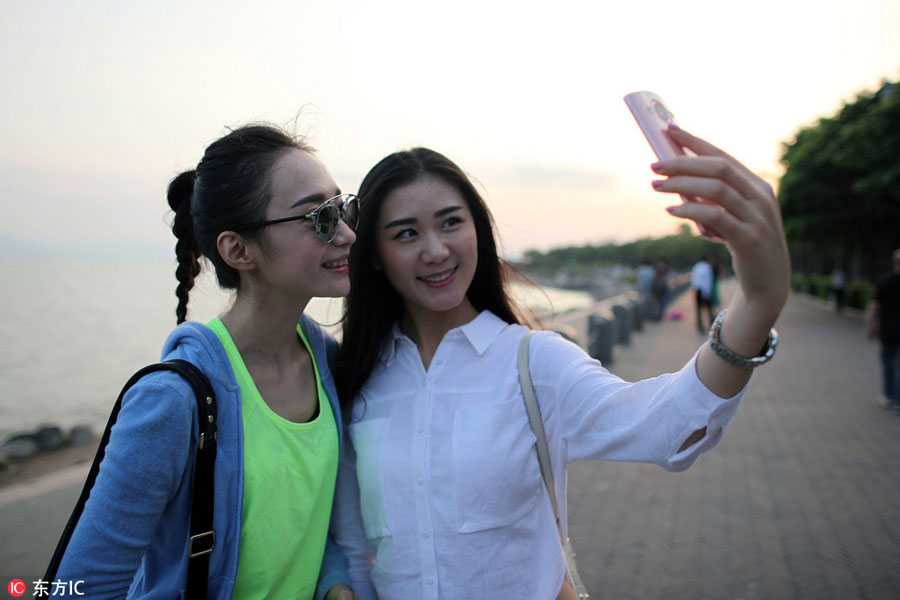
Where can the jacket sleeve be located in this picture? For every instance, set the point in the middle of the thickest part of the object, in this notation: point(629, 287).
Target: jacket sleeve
point(143, 467)
point(334, 567)
point(347, 527)
point(334, 564)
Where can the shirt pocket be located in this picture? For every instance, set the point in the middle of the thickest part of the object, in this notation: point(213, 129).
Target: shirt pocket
point(368, 440)
point(496, 474)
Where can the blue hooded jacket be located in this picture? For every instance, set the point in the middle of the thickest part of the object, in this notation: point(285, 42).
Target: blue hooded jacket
point(132, 538)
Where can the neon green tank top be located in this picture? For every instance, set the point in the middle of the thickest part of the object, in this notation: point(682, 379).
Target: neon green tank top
point(289, 477)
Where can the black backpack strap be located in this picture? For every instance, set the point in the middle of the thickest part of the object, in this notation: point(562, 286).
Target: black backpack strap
point(202, 535)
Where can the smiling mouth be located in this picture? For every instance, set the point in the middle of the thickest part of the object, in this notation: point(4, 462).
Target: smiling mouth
point(336, 264)
point(440, 276)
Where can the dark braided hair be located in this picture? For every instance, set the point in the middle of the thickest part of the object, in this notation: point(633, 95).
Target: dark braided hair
point(229, 188)
point(180, 191)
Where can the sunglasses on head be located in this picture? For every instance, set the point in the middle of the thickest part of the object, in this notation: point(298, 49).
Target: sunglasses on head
point(327, 217)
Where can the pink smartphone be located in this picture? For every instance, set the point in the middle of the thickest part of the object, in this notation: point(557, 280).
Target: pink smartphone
point(653, 117)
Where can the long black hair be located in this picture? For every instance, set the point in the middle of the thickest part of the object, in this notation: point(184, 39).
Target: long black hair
point(373, 305)
point(230, 187)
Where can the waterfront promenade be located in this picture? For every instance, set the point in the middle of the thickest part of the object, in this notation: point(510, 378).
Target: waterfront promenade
point(801, 499)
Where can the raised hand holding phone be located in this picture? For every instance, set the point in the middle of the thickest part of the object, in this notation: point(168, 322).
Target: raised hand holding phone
point(742, 210)
point(654, 118)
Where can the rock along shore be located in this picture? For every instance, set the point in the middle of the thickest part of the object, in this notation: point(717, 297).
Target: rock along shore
point(28, 455)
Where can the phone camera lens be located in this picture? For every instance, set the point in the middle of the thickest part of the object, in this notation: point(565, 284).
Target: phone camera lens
point(664, 114)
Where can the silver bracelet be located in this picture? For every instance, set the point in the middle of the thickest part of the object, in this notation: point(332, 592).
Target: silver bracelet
point(734, 359)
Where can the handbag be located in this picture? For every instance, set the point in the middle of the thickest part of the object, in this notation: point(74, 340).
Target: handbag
point(202, 535)
point(576, 588)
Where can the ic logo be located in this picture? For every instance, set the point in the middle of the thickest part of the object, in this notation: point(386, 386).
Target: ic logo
point(16, 588)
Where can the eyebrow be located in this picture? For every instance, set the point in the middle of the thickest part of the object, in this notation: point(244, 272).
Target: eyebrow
point(411, 220)
point(317, 198)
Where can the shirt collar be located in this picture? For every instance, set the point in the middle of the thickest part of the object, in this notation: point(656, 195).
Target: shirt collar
point(483, 330)
point(480, 332)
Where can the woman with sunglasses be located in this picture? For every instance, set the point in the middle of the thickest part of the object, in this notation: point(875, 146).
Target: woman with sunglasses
point(269, 218)
point(450, 492)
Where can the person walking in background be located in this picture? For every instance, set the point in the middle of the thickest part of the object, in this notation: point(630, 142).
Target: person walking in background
point(702, 284)
point(662, 276)
point(446, 498)
point(645, 276)
point(269, 218)
point(838, 284)
point(883, 321)
point(715, 301)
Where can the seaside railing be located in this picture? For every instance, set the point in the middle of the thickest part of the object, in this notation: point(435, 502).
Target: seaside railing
point(611, 322)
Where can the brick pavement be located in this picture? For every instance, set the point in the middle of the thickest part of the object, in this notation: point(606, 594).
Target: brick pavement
point(799, 499)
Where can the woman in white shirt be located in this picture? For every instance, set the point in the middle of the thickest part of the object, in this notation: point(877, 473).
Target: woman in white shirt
point(450, 494)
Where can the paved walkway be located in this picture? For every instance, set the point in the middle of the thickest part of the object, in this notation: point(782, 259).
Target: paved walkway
point(801, 499)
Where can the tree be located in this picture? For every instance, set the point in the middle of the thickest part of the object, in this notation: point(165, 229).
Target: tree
point(840, 193)
point(681, 251)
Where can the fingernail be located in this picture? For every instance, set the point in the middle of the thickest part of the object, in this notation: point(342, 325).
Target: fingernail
point(657, 166)
point(672, 210)
point(674, 127)
point(657, 183)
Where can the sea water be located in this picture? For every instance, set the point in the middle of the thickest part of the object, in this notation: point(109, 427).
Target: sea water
point(73, 330)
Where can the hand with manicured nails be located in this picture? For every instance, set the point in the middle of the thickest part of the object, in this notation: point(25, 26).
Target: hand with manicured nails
point(741, 208)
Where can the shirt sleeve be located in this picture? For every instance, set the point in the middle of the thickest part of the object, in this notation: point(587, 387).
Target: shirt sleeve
point(143, 467)
point(600, 416)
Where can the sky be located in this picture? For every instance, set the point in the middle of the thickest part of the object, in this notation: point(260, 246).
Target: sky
point(104, 102)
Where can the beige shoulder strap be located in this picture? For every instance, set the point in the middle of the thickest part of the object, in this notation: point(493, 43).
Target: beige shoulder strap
point(537, 426)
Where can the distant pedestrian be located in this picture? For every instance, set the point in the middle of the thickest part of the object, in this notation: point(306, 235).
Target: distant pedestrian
point(662, 277)
point(645, 277)
point(715, 301)
point(884, 321)
point(702, 284)
point(838, 284)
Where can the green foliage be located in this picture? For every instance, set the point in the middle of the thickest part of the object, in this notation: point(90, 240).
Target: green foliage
point(858, 293)
point(818, 286)
point(814, 285)
point(840, 193)
point(681, 251)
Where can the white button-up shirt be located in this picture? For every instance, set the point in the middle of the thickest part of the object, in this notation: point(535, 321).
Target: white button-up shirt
point(450, 490)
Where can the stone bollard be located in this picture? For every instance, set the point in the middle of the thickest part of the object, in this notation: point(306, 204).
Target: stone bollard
point(622, 314)
point(649, 309)
point(601, 336)
point(637, 311)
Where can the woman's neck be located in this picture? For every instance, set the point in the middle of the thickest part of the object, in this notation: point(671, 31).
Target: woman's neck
point(427, 328)
point(264, 331)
